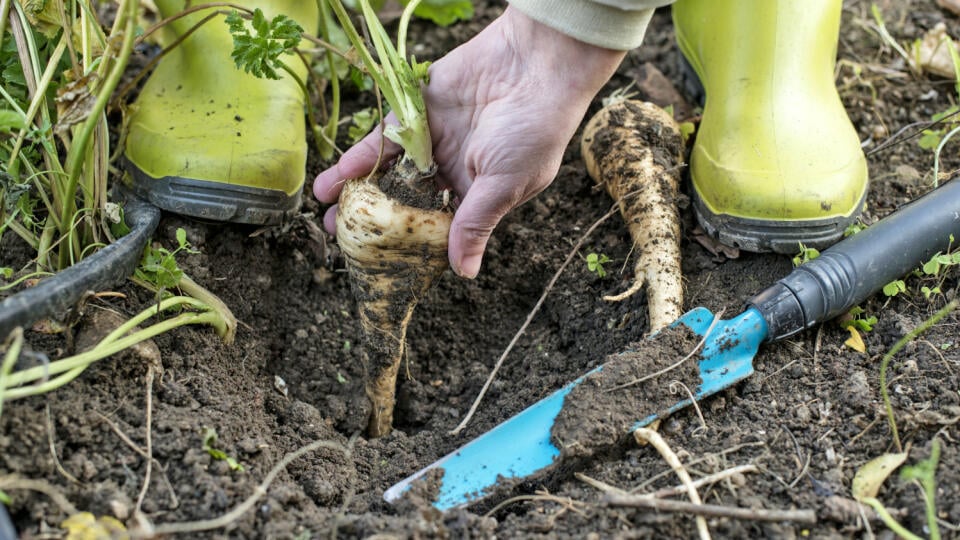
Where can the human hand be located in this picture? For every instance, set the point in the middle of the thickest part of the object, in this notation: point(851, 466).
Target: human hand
point(502, 108)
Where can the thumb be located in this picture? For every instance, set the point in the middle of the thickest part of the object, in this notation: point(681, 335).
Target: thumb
point(482, 208)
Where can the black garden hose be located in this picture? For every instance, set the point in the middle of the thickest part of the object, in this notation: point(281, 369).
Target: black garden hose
point(105, 268)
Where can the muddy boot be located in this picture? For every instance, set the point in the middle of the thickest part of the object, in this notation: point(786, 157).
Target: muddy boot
point(207, 139)
point(776, 160)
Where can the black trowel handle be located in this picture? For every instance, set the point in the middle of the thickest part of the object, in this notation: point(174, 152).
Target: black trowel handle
point(855, 268)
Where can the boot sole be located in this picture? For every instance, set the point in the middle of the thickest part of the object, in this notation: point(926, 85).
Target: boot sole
point(778, 236)
point(215, 201)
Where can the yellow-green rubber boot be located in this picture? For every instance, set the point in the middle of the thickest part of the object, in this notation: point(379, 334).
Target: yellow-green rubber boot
point(776, 160)
point(207, 139)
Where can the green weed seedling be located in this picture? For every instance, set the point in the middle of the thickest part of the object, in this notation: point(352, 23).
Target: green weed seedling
point(925, 472)
point(858, 321)
point(361, 122)
point(158, 266)
point(855, 322)
point(854, 228)
point(595, 264)
point(935, 269)
point(210, 439)
point(806, 254)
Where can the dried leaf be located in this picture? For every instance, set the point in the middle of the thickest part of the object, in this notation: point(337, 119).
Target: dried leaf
point(947, 416)
point(43, 16)
point(84, 526)
point(658, 89)
point(869, 478)
point(855, 342)
point(74, 103)
point(933, 52)
point(720, 251)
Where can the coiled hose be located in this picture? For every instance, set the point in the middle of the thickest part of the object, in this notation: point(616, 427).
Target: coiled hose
point(105, 268)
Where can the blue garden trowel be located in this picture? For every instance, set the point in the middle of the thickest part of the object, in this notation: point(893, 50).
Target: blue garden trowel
point(841, 277)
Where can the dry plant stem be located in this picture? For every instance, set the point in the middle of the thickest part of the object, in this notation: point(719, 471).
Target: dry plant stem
point(699, 460)
point(670, 491)
point(174, 501)
point(53, 447)
point(149, 439)
point(12, 482)
point(394, 254)
point(713, 510)
point(636, 146)
point(650, 436)
point(148, 530)
point(526, 323)
point(599, 484)
point(706, 480)
point(565, 501)
point(675, 387)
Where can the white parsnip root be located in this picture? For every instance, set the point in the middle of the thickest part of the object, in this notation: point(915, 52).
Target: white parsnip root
point(635, 151)
point(394, 253)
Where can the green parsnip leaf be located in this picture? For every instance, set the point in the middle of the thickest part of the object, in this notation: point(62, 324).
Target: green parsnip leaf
point(260, 54)
point(444, 12)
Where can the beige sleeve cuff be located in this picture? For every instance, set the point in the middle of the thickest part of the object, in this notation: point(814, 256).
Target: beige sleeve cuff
point(613, 24)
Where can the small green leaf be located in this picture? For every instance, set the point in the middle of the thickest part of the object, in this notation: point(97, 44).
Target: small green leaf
point(928, 292)
point(362, 122)
point(6, 272)
point(806, 254)
point(181, 237)
point(10, 121)
point(444, 12)
point(894, 288)
point(853, 229)
point(931, 267)
point(930, 139)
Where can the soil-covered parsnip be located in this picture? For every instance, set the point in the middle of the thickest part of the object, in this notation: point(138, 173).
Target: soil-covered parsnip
point(392, 227)
point(394, 253)
point(635, 151)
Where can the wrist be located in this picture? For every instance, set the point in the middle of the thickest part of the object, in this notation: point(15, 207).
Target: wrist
point(580, 65)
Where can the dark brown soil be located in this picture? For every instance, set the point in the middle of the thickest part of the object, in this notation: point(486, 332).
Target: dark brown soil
point(631, 387)
point(808, 418)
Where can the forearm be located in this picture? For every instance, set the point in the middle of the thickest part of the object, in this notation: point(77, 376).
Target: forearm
point(612, 24)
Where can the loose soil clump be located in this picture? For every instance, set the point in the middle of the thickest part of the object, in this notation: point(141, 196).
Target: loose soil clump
point(630, 390)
